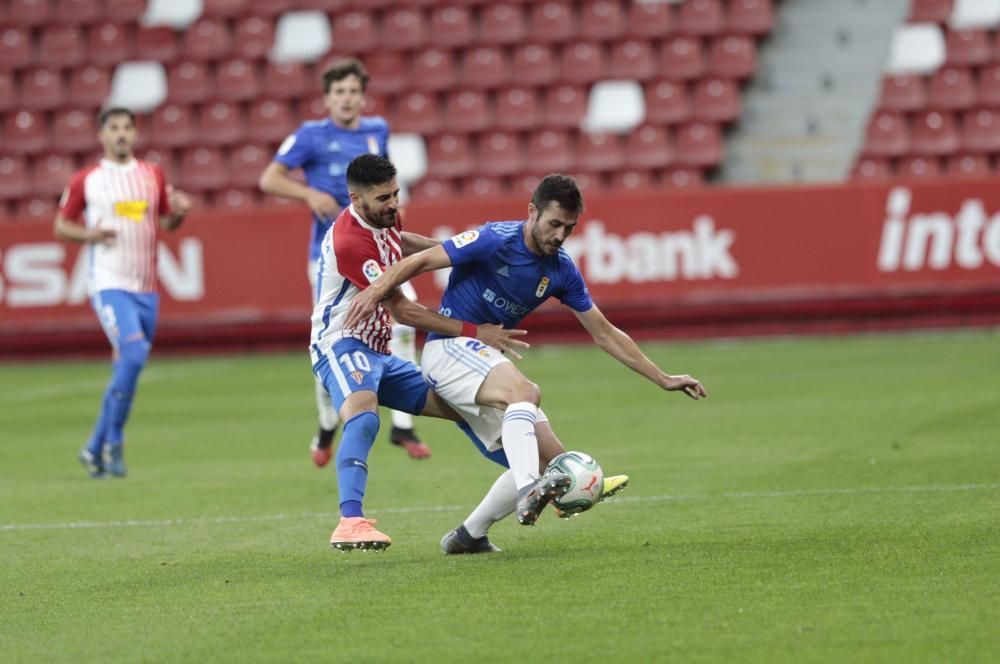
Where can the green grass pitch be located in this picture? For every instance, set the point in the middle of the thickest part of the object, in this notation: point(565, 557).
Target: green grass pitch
point(834, 500)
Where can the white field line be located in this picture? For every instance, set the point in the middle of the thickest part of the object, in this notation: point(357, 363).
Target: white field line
point(183, 521)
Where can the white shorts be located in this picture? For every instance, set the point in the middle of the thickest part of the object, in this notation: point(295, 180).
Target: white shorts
point(455, 368)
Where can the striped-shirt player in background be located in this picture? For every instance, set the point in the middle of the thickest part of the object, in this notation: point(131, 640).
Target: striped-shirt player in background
point(117, 207)
point(323, 149)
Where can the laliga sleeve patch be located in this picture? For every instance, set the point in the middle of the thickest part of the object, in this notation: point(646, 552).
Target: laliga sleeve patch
point(372, 270)
point(286, 145)
point(468, 237)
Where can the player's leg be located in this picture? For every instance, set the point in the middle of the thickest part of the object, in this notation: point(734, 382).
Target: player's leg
point(351, 373)
point(404, 346)
point(321, 445)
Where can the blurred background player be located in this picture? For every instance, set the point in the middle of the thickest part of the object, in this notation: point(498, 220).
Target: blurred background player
point(323, 149)
point(123, 202)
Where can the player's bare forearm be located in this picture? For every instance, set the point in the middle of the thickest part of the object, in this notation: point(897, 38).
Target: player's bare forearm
point(416, 315)
point(69, 231)
point(363, 305)
point(414, 243)
point(276, 181)
point(172, 221)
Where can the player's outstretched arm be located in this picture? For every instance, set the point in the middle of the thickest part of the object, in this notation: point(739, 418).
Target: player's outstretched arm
point(411, 313)
point(275, 180)
point(364, 303)
point(620, 346)
point(413, 243)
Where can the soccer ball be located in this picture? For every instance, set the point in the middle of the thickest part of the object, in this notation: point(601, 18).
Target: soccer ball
point(588, 481)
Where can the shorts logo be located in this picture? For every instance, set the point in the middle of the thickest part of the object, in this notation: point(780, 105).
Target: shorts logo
point(132, 210)
point(468, 237)
point(478, 347)
point(543, 285)
point(372, 270)
point(357, 376)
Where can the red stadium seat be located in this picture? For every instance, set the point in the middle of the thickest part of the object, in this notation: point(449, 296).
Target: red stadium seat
point(600, 152)
point(989, 86)
point(156, 43)
point(681, 58)
point(417, 112)
point(952, 88)
point(584, 62)
point(981, 131)
point(314, 107)
point(203, 169)
point(221, 123)
point(387, 72)
point(903, 93)
point(165, 158)
point(968, 166)
point(225, 8)
point(930, 11)
point(77, 11)
point(25, 132)
point(699, 145)
point(871, 169)
point(467, 111)
point(29, 13)
point(403, 29)
point(376, 105)
point(683, 177)
point(633, 59)
point(500, 153)
point(482, 186)
point(8, 94)
point(565, 106)
point(89, 86)
point(235, 199)
point(36, 208)
point(653, 20)
point(750, 17)
point(15, 48)
point(886, 136)
point(253, 37)
point(331, 6)
point(14, 180)
point(502, 23)
point(732, 57)
point(633, 180)
point(272, 8)
point(717, 100)
point(207, 39)
point(271, 120)
point(41, 89)
point(918, 168)
point(75, 131)
point(934, 134)
point(553, 21)
point(110, 43)
point(172, 125)
point(518, 108)
point(449, 155)
point(602, 19)
point(667, 102)
point(434, 189)
point(701, 18)
point(289, 80)
point(434, 69)
point(452, 27)
point(189, 82)
point(50, 173)
point(60, 46)
point(967, 48)
point(485, 67)
point(354, 32)
point(550, 152)
point(535, 65)
point(246, 163)
point(127, 11)
point(649, 146)
point(236, 80)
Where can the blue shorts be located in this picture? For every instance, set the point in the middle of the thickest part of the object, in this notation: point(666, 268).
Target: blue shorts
point(398, 383)
point(126, 316)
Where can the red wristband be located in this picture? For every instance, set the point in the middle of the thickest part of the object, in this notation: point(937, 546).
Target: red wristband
point(468, 329)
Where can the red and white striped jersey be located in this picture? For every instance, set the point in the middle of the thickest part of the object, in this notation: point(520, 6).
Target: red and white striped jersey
point(129, 199)
point(353, 255)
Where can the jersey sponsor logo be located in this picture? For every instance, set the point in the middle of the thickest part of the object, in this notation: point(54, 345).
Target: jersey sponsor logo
point(543, 285)
point(503, 271)
point(463, 239)
point(372, 145)
point(372, 270)
point(505, 304)
point(333, 146)
point(286, 145)
point(489, 295)
point(132, 210)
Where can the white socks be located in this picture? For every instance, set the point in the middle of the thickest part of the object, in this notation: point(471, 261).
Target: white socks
point(500, 501)
point(328, 417)
point(519, 442)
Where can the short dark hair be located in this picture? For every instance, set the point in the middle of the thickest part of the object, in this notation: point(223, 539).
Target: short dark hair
point(112, 112)
point(341, 69)
point(561, 189)
point(369, 170)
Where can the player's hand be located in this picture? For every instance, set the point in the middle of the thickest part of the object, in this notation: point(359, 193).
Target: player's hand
point(362, 306)
point(685, 384)
point(180, 202)
point(501, 339)
point(323, 204)
point(104, 236)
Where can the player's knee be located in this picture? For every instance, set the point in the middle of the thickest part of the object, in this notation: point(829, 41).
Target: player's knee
point(134, 354)
point(525, 390)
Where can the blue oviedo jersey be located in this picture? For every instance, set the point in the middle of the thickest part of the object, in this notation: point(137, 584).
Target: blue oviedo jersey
point(496, 279)
point(323, 150)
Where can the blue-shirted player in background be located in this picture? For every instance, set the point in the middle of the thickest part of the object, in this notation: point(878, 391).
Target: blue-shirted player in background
point(323, 149)
point(503, 271)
